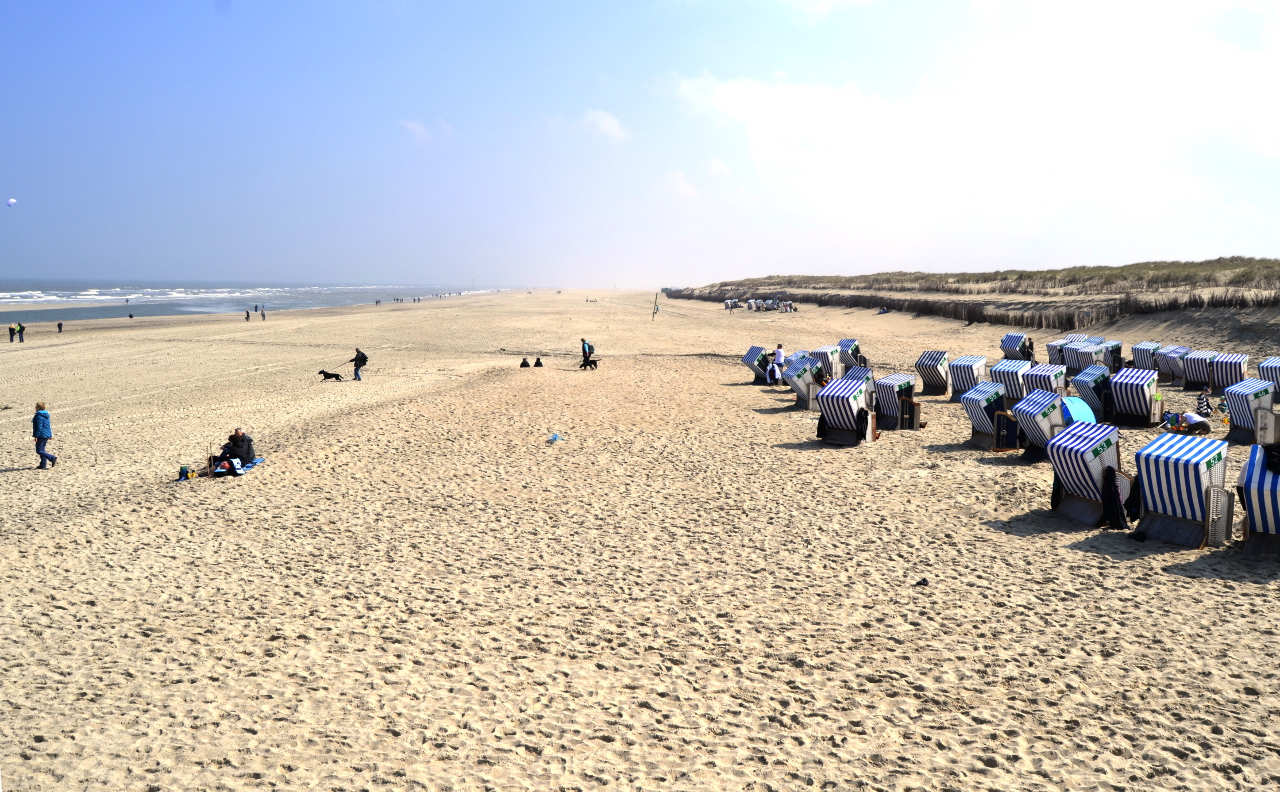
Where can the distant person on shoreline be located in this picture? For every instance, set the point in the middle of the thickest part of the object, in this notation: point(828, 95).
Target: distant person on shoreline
point(524, 363)
point(246, 314)
point(537, 363)
point(13, 331)
point(22, 330)
point(59, 327)
point(587, 351)
point(360, 360)
point(42, 431)
point(264, 314)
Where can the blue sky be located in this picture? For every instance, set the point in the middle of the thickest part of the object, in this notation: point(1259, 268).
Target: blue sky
point(670, 142)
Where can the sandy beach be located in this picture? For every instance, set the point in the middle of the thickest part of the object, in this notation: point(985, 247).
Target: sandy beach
point(416, 591)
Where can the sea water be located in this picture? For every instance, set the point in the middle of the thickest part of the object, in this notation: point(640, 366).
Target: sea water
point(69, 300)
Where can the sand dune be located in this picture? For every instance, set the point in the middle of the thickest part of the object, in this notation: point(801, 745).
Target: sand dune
point(687, 592)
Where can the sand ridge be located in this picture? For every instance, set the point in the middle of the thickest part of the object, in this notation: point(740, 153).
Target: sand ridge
point(416, 591)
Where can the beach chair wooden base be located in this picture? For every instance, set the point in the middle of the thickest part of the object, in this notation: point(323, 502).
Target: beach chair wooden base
point(1213, 531)
point(1195, 385)
point(936, 390)
point(982, 440)
point(1008, 437)
point(1080, 510)
point(1260, 545)
point(1241, 435)
point(847, 437)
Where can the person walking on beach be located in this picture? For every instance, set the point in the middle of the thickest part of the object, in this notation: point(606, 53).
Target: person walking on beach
point(246, 315)
point(22, 329)
point(587, 351)
point(42, 431)
point(13, 331)
point(59, 327)
point(779, 358)
point(360, 360)
point(264, 314)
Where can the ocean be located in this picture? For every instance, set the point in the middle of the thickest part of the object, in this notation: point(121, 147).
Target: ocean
point(67, 301)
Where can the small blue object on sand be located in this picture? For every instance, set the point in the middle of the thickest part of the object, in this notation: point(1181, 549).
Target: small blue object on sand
point(252, 464)
point(553, 438)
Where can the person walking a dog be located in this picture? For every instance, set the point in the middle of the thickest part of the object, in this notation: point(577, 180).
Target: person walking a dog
point(360, 360)
point(42, 431)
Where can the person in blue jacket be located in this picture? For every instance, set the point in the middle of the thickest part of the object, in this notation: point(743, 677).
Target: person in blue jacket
point(587, 350)
point(42, 431)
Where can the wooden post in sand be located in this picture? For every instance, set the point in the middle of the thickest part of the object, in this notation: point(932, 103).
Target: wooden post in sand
point(654, 314)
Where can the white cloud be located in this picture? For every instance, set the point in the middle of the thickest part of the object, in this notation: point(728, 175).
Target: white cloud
point(605, 123)
point(717, 167)
point(1091, 114)
point(679, 184)
point(417, 129)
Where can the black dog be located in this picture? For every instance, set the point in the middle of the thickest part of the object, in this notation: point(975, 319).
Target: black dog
point(329, 375)
point(592, 363)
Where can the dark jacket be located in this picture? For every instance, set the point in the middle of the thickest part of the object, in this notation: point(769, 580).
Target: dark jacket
point(40, 426)
point(239, 447)
point(361, 360)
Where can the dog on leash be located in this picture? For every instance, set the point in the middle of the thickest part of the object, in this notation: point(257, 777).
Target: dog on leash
point(589, 363)
point(329, 375)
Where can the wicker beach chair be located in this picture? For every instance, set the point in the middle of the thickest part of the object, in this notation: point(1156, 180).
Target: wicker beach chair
point(935, 377)
point(981, 403)
point(1079, 455)
point(841, 403)
point(1094, 386)
point(1228, 369)
point(851, 353)
point(1169, 363)
point(1198, 369)
point(1259, 492)
point(1144, 355)
point(829, 357)
point(1249, 409)
point(799, 375)
point(896, 407)
point(1136, 396)
point(1039, 416)
point(966, 371)
point(1017, 346)
point(1009, 374)
point(1269, 369)
point(1053, 350)
point(1046, 377)
point(1184, 501)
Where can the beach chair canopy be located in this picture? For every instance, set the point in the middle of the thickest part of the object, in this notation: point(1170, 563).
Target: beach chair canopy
point(1095, 339)
point(1197, 366)
point(1261, 497)
point(1144, 354)
point(1012, 345)
point(1169, 359)
point(1009, 374)
point(849, 351)
point(1113, 355)
point(1046, 376)
point(1246, 396)
point(1230, 368)
point(966, 371)
point(981, 403)
point(1054, 350)
point(799, 365)
point(1082, 354)
point(932, 367)
point(1086, 384)
point(840, 401)
point(1175, 469)
point(887, 390)
point(1133, 389)
point(1071, 338)
point(752, 360)
point(1037, 413)
point(828, 356)
point(1080, 452)
point(1269, 369)
point(858, 373)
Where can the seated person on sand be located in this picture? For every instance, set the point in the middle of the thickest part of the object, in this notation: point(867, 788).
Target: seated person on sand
point(524, 362)
point(537, 363)
point(238, 446)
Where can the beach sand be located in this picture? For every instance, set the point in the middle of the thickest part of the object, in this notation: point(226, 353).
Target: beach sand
point(416, 591)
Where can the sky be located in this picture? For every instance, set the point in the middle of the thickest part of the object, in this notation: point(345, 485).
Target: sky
point(634, 144)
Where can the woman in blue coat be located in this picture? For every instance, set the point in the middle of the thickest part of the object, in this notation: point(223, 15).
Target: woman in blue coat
point(42, 431)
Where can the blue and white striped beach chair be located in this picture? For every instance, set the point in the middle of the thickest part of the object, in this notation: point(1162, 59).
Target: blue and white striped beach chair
point(840, 402)
point(1244, 400)
point(1144, 355)
point(1113, 355)
point(1009, 374)
point(1079, 454)
point(1039, 416)
point(966, 372)
point(756, 359)
point(1228, 369)
point(1080, 355)
point(1016, 346)
point(1095, 339)
point(1071, 338)
point(981, 403)
point(829, 357)
point(932, 368)
point(1047, 377)
point(891, 391)
point(799, 375)
point(1269, 369)
point(1177, 474)
point(1054, 350)
point(1169, 363)
point(850, 352)
point(1136, 395)
point(1092, 384)
point(1197, 368)
point(1260, 497)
